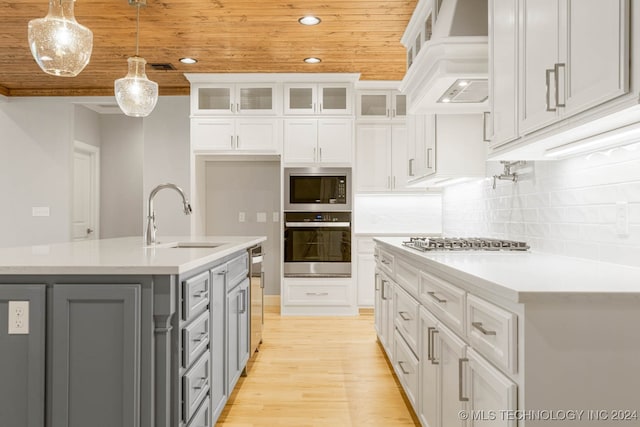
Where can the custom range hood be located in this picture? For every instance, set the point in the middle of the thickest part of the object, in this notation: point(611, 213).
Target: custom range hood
point(447, 57)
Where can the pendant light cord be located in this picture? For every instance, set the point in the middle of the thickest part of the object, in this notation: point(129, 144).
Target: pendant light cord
point(137, 27)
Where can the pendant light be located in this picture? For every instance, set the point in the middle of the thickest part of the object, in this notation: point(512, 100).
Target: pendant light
point(60, 45)
point(135, 93)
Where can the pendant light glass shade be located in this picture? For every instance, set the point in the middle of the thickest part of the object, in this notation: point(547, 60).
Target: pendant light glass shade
point(60, 45)
point(135, 93)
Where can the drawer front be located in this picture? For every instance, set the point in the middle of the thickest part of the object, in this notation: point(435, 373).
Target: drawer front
point(317, 295)
point(493, 332)
point(408, 277)
point(195, 386)
point(406, 317)
point(195, 295)
point(237, 270)
point(406, 367)
point(385, 261)
point(195, 339)
point(443, 299)
point(202, 417)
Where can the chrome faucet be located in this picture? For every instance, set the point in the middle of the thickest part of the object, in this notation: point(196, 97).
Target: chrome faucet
point(151, 215)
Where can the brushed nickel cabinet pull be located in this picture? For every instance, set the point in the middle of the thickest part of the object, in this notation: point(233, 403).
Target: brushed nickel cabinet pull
point(318, 294)
point(200, 337)
point(435, 297)
point(411, 167)
point(556, 72)
point(478, 326)
point(203, 384)
point(484, 126)
point(434, 361)
point(430, 330)
point(405, 316)
point(222, 273)
point(460, 380)
point(429, 150)
point(548, 82)
point(401, 365)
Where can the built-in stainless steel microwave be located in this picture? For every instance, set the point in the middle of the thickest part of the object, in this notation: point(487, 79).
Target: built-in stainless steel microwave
point(317, 189)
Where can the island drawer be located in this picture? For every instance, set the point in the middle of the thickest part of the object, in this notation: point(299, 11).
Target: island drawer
point(202, 417)
point(195, 339)
point(406, 317)
point(385, 261)
point(407, 276)
point(195, 386)
point(445, 300)
point(195, 295)
point(237, 270)
point(314, 291)
point(492, 331)
point(406, 367)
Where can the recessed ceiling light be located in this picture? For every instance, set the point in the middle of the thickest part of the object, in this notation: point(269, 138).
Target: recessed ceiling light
point(463, 83)
point(312, 60)
point(445, 100)
point(309, 20)
point(188, 60)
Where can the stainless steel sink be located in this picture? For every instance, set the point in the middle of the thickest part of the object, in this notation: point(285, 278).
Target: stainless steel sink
point(195, 245)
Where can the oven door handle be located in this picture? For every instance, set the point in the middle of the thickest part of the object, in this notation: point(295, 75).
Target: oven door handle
point(317, 224)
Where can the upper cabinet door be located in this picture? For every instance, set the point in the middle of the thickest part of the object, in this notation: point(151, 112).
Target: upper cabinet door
point(594, 66)
point(300, 140)
point(334, 99)
point(374, 105)
point(257, 134)
point(300, 99)
point(213, 100)
point(398, 105)
point(373, 155)
point(503, 72)
point(538, 71)
point(212, 134)
point(335, 138)
point(255, 99)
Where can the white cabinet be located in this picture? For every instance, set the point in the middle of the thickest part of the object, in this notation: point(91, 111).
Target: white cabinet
point(383, 311)
point(229, 99)
point(489, 391)
point(235, 134)
point(502, 124)
point(381, 105)
point(565, 66)
point(381, 157)
point(365, 271)
point(310, 296)
point(325, 98)
point(446, 148)
point(318, 141)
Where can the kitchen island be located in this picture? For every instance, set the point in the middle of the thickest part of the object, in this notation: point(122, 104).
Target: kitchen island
point(510, 338)
point(115, 332)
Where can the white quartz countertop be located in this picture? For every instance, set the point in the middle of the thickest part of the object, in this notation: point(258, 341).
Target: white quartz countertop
point(126, 255)
point(521, 276)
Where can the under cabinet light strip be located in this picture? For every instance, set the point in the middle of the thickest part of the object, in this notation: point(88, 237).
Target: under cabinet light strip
point(625, 135)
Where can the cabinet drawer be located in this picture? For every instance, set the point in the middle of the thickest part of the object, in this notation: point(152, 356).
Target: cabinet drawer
point(492, 331)
point(406, 317)
point(195, 386)
point(407, 276)
point(317, 294)
point(445, 300)
point(195, 295)
point(385, 261)
point(237, 270)
point(406, 367)
point(195, 339)
point(202, 417)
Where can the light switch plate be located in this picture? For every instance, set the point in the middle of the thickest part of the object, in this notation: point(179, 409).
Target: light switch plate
point(18, 317)
point(242, 216)
point(276, 217)
point(261, 217)
point(40, 211)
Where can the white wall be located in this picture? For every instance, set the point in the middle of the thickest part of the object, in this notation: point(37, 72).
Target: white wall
point(86, 125)
point(121, 164)
point(35, 170)
point(563, 207)
point(166, 159)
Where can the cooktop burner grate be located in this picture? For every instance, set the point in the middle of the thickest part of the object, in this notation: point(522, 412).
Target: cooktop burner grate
point(427, 244)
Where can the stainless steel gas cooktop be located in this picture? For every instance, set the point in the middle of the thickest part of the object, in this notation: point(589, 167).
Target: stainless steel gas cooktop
point(426, 244)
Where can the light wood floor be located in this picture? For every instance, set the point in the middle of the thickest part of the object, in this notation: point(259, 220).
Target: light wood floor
point(316, 371)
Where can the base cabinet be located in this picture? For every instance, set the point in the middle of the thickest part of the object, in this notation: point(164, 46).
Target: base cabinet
point(238, 331)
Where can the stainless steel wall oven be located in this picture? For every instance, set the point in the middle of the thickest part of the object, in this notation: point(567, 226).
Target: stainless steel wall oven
point(317, 244)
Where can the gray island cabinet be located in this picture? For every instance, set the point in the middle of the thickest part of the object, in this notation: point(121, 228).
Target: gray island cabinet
point(119, 334)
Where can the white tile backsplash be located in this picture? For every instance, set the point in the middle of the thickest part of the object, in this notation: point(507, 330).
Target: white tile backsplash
point(565, 207)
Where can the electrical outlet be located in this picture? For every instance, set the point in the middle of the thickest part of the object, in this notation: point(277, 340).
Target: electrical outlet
point(18, 317)
point(276, 217)
point(622, 218)
point(261, 217)
point(242, 216)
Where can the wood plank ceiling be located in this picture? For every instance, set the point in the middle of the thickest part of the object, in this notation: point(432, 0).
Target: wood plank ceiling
point(226, 36)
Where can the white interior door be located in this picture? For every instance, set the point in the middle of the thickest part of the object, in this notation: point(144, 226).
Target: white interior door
point(84, 222)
